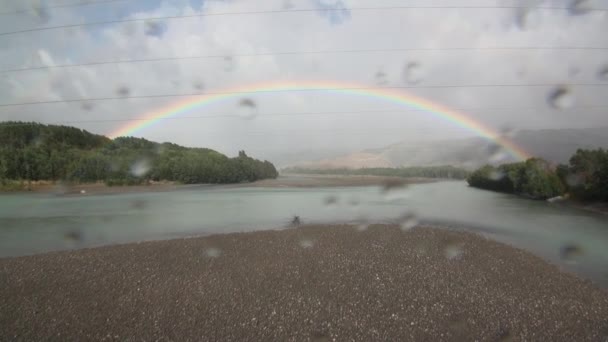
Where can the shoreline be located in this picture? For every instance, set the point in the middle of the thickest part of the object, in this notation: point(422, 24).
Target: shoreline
point(292, 180)
point(318, 283)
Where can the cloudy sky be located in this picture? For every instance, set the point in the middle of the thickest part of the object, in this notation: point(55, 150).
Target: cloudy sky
point(521, 65)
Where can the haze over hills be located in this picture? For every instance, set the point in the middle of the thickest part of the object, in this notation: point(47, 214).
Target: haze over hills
point(555, 145)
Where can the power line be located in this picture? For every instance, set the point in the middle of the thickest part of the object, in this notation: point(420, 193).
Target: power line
point(309, 10)
point(290, 53)
point(298, 90)
point(78, 4)
point(324, 113)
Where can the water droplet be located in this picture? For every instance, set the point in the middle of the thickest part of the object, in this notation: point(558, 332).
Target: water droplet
point(407, 221)
point(526, 17)
point(561, 98)
point(362, 223)
point(307, 243)
point(288, 4)
point(60, 189)
point(412, 73)
point(154, 28)
point(458, 326)
point(381, 78)
point(330, 200)
point(574, 180)
point(140, 167)
point(72, 236)
point(128, 29)
point(247, 109)
point(503, 334)
point(198, 85)
point(228, 63)
point(507, 131)
point(213, 252)
point(573, 71)
point(354, 201)
point(394, 190)
point(138, 204)
point(123, 91)
point(453, 251)
point(86, 105)
point(571, 253)
point(83, 191)
point(499, 157)
point(41, 11)
point(493, 148)
point(579, 7)
point(602, 74)
point(497, 175)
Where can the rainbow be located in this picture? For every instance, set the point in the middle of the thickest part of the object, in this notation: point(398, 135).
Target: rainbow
point(392, 95)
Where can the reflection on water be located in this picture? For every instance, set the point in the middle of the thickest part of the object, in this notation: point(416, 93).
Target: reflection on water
point(33, 223)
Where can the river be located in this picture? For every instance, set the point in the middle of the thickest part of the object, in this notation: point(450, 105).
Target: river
point(36, 223)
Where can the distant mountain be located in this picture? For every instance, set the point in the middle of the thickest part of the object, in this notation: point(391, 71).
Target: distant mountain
point(553, 145)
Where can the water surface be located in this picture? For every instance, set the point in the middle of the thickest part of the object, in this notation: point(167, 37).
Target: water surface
point(35, 223)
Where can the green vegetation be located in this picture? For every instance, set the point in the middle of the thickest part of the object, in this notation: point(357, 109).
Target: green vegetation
point(585, 178)
point(447, 172)
point(37, 152)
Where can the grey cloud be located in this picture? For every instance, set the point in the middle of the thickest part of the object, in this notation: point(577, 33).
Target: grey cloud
point(278, 136)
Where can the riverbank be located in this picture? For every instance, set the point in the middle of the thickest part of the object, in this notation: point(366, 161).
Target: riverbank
point(298, 181)
point(313, 283)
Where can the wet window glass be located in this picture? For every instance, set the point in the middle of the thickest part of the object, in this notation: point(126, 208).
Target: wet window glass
point(294, 170)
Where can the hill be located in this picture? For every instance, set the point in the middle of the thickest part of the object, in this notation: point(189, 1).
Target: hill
point(555, 146)
point(37, 152)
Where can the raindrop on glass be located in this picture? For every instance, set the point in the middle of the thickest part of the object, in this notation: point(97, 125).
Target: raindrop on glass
point(602, 74)
point(41, 11)
point(73, 236)
point(412, 73)
point(153, 28)
point(394, 190)
point(140, 167)
point(228, 63)
point(88, 106)
point(381, 78)
point(561, 98)
point(83, 191)
point(198, 85)
point(362, 223)
point(579, 7)
point(123, 91)
point(306, 243)
point(571, 253)
point(574, 179)
point(288, 4)
point(407, 221)
point(138, 204)
point(453, 251)
point(330, 200)
point(497, 175)
point(499, 157)
point(60, 189)
point(526, 17)
point(247, 109)
point(213, 252)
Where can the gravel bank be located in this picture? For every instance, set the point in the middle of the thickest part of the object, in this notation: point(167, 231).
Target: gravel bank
point(318, 283)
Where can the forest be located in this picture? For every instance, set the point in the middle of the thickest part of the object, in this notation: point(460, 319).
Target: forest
point(446, 172)
point(38, 152)
point(584, 178)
